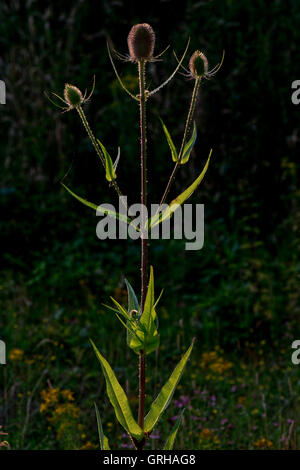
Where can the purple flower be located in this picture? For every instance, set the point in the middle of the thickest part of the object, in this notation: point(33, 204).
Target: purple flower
point(194, 418)
point(183, 401)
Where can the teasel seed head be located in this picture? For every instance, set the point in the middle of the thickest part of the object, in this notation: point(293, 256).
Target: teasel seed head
point(141, 41)
point(198, 64)
point(73, 96)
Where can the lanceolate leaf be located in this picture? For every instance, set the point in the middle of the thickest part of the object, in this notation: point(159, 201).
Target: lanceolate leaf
point(165, 395)
point(101, 209)
point(142, 329)
point(149, 303)
point(109, 167)
point(189, 146)
point(170, 142)
point(147, 320)
point(135, 334)
point(118, 398)
point(171, 439)
point(134, 340)
point(179, 200)
point(103, 441)
point(117, 159)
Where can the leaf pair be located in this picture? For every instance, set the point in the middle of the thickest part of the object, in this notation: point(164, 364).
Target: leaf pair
point(179, 200)
point(184, 158)
point(104, 444)
point(110, 167)
point(142, 334)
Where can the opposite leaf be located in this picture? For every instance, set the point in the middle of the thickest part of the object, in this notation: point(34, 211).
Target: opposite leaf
point(117, 159)
point(148, 319)
point(189, 147)
point(171, 439)
point(179, 200)
point(118, 399)
point(165, 395)
point(133, 303)
point(100, 209)
point(170, 142)
point(109, 167)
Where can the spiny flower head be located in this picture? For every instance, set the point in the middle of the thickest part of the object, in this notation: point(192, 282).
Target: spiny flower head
point(198, 64)
point(73, 96)
point(141, 41)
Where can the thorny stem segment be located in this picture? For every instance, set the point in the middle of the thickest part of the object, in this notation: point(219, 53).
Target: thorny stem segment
point(186, 131)
point(142, 391)
point(144, 235)
point(99, 151)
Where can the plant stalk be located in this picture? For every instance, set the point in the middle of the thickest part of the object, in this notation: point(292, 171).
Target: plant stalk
point(144, 234)
point(99, 151)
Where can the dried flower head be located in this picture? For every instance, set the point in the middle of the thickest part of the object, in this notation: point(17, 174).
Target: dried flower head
point(198, 64)
point(141, 41)
point(73, 96)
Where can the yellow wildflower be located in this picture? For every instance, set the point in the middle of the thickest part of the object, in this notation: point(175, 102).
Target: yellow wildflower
point(263, 443)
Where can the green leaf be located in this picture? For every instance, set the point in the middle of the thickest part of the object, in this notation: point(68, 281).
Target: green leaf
point(134, 339)
point(189, 146)
point(101, 209)
point(132, 298)
point(179, 200)
point(165, 395)
point(132, 329)
point(148, 317)
point(144, 336)
point(103, 441)
point(118, 398)
point(170, 142)
point(117, 159)
point(171, 439)
point(109, 167)
point(121, 309)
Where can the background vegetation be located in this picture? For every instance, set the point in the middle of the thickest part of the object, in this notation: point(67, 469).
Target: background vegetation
point(239, 295)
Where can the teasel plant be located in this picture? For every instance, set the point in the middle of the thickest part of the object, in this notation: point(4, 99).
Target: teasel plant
point(139, 317)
